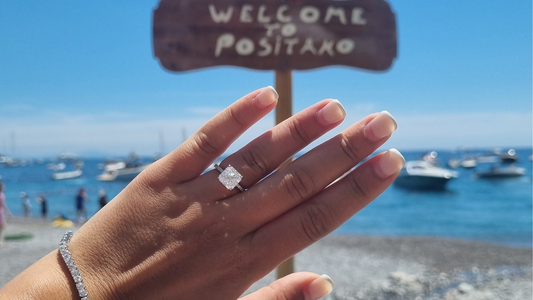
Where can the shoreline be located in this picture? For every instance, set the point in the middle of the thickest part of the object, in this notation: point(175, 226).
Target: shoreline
point(362, 267)
point(526, 244)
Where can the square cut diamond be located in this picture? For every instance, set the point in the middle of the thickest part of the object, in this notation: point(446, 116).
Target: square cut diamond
point(230, 177)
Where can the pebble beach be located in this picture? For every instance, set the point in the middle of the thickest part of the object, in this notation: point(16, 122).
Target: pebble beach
point(362, 267)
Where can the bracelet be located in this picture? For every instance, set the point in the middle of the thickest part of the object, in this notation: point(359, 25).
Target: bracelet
point(69, 261)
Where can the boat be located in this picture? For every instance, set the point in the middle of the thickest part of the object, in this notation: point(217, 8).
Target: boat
point(424, 175)
point(116, 173)
point(123, 170)
point(12, 162)
point(56, 166)
point(109, 161)
point(492, 156)
point(454, 163)
point(509, 157)
point(469, 163)
point(497, 172)
point(67, 175)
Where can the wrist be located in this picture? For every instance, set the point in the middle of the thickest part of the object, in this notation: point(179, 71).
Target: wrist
point(45, 279)
point(98, 278)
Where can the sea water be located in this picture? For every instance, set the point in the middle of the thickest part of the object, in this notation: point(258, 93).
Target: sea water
point(496, 211)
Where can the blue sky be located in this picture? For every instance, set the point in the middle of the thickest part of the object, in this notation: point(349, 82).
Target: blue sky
point(81, 77)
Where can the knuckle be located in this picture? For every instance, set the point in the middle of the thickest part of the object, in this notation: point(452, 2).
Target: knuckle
point(351, 150)
point(297, 131)
point(206, 145)
point(316, 221)
point(299, 184)
point(256, 160)
point(238, 117)
point(358, 190)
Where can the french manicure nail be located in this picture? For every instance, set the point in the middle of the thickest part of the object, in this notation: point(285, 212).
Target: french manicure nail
point(390, 163)
point(381, 126)
point(333, 112)
point(319, 288)
point(266, 97)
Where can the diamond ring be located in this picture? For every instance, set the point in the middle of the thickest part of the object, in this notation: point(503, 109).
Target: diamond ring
point(229, 177)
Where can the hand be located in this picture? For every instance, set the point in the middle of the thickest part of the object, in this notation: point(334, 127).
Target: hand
point(176, 233)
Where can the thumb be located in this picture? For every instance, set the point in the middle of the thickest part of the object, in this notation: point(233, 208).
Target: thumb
point(296, 286)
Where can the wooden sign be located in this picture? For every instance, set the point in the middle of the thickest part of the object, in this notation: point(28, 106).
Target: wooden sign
point(274, 34)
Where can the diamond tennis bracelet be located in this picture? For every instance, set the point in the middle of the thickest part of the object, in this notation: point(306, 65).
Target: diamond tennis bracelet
point(69, 261)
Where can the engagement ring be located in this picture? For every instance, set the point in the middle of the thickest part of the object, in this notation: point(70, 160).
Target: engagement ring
point(229, 177)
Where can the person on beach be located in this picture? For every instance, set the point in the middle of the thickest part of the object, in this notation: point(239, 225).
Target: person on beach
point(26, 204)
point(3, 211)
point(81, 210)
point(44, 205)
point(102, 198)
point(178, 231)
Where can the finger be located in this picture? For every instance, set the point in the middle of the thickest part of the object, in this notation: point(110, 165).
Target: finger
point(312, 172)
point(191, 158)
point(296, 286)
point(264, 154)
point(315, 218)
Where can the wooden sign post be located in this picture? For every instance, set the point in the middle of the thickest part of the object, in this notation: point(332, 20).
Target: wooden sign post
point(283, 112)
point(280, 35)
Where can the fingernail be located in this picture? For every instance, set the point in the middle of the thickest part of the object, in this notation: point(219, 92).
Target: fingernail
point(319, 288)
point(266, 97)
point(333, 112)
point(390, 163)
point(381, 126)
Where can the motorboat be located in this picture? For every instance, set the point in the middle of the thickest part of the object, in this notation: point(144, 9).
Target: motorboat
point(11, 162)
point(497, 172)
point(67, 175)
point(469, 163)
point(492, 156)
point(56, 166)
point(109, 161)
point(509, 157)
point(115, 172)
point(454, 163)
point(123, 170)
point(424, 175)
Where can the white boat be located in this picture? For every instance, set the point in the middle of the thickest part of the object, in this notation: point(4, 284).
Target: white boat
point(469, 163)
point(454, 163)
point(492, 156)
point(495, 172)
point(56, 167)
point(121, 174)
point(424, 175)
point(67, 175)
point(123, 170)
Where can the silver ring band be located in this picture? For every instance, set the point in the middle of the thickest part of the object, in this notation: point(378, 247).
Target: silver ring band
point(230, 178)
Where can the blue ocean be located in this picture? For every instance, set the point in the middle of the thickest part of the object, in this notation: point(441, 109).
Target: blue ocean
point(496, 210)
